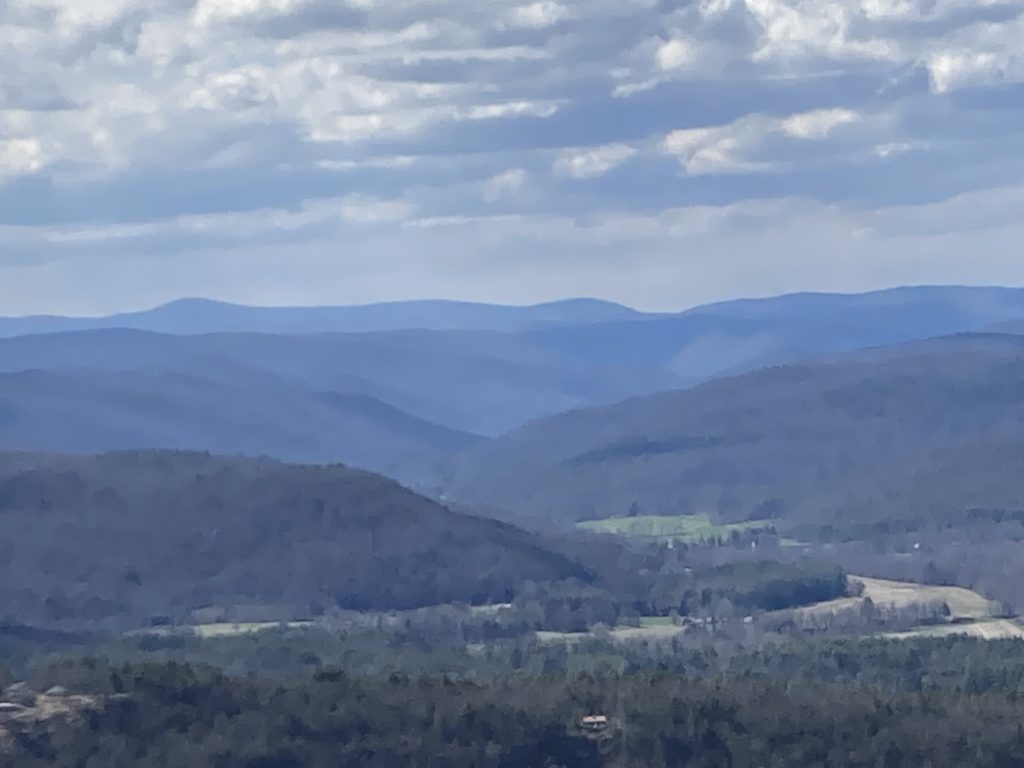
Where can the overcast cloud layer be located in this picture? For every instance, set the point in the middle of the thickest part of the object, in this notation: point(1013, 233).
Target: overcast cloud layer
point(656, 153)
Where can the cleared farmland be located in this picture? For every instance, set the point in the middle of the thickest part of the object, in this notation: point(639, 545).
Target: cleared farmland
point(651, 628)
point(688, 528)
point(964, 605)
point(970, 614)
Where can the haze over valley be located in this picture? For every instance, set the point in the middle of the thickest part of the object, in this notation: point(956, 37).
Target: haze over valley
point(401, 388)
point(197, 483)
point(545, 384)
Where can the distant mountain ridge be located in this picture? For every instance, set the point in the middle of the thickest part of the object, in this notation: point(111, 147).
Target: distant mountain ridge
point(197, 316)
point(923, 310)
point(286, 383)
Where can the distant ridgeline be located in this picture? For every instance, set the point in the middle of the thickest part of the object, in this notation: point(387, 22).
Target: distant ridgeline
point(403, 388)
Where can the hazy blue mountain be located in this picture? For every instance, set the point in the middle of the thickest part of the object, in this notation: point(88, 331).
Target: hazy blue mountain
point(93, 411)
point(394, 402)
point(194, 316)
point(936, 310)
point(672, 350)
point(924, 430)
point(481, 382)
point(401, 400)
point(1014, 327)
point(740, 336)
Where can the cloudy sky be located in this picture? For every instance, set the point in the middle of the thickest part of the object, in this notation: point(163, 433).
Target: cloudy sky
point(660, 153)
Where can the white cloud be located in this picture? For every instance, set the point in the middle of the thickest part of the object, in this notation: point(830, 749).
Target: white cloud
point(817, 124)
point(787, 30)
point(365, 210)
point(243, 226)
point(19, 157)
point(539, 15)
point(734, 148)
point(504, 184)
point(236, 90)
point(723, 149)
point(209, 12)
point(953, 69)
point(893, 148)
point(920, 10)
point(593, 162)
point(136, 115)
point(713, 8)
point(512, 109)
point(797, 28)
point(391, 163)
point(760, 247)
point(676, 53)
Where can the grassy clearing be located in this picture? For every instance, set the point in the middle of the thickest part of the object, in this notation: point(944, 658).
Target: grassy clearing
point(651, 628)
point(972, 615)
point(213, 631)
point(691, 528)
point(963, 603)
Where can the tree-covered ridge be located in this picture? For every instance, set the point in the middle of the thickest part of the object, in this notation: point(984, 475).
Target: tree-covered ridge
point(907, 436)
point(134, 537)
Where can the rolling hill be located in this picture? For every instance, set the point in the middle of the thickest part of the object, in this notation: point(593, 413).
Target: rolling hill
point(121, 538)
point(380, 401)
point(90, 411)
point(901, 436)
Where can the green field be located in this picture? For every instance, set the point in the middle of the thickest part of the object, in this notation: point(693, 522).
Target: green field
point(686, 529)
point(213, 631)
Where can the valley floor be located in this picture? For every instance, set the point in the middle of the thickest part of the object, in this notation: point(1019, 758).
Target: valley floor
point(970, 614)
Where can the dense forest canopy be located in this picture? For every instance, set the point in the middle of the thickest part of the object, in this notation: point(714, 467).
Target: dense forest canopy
point(135, 536)
point(173, 715)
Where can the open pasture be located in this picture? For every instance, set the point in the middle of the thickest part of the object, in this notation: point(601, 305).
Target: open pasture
point(685, 528)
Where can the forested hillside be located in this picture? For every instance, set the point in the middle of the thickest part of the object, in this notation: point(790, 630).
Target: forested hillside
point(126, 538)
point(912, 435)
